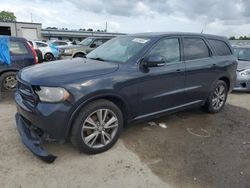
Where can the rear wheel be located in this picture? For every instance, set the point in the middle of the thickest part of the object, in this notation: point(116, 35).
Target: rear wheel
point(217, 97)
point(8, 81)
point(97, 127)
point(49, 57)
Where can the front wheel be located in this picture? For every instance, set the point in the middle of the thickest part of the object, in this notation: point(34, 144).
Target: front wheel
point(49, 57)
point(97, 127)
point(217, 97)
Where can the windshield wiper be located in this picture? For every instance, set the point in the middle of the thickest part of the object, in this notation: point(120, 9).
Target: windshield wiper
point(97, 58)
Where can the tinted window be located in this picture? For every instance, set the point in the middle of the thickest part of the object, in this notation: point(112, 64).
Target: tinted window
point(18, 48)
point(168, 48)
point(62, 43)
point(195, 48)
point(220, 47)
point(39, 44)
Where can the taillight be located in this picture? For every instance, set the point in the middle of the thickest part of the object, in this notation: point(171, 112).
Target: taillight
point(33, 52)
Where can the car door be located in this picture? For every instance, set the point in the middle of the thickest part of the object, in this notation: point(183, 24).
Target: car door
point(200, 71)
point(162, 88)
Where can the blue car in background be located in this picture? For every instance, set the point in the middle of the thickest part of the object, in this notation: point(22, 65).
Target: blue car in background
point(15, 54)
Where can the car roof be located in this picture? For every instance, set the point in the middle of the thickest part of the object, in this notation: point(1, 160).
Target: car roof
point(163, 34)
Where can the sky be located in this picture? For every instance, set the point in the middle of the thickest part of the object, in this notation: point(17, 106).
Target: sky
point(223, 17)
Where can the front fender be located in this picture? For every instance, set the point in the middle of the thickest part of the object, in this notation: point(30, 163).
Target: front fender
point(89, 98)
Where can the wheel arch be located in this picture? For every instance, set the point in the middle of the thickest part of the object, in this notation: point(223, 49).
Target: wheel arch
point(116, 99)
point(79, 52)
point(8, 70)
point(226, 80)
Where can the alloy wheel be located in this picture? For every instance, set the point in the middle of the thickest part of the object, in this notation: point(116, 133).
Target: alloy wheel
point(99, 128)
point(219, 97)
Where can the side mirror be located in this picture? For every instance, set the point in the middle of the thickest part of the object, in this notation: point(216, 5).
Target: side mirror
point(93, 45)
point(153, 61)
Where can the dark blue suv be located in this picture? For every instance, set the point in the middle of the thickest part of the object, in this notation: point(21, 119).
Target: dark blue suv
point(15, 54)
point(129, 78)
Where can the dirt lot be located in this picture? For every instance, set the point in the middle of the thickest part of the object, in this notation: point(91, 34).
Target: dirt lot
point(195, 150)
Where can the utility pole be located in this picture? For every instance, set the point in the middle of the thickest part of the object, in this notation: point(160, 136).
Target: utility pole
point(31, 17)
point(106, 27)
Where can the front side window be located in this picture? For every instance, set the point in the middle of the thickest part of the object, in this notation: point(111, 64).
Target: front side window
point(168, 48)
point(86, 42)
point(18, 48)
point(98, 42)
point(195, 48)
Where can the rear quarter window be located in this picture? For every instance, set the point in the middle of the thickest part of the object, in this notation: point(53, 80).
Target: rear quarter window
point(18, 48)
point(220, 47)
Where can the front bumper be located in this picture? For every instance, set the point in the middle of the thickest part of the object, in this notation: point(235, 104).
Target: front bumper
point(31, 139)
point(242, 83)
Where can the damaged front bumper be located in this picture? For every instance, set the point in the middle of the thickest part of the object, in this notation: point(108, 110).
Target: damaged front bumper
point(31, 139)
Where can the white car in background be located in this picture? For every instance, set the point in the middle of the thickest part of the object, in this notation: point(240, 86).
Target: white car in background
point(49, 52)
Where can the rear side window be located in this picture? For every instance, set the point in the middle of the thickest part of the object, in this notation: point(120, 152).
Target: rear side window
point(220, 47)
point(18, 48)
point(195, 48)
point(39, 44)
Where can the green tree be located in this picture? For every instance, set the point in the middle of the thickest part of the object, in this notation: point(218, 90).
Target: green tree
point(7, 16)
point(232, 38)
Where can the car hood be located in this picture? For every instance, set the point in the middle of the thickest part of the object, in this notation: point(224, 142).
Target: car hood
point(242, 65)
point(65, 71)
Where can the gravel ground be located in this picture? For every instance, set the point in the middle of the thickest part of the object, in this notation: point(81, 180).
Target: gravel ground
point(195, 150)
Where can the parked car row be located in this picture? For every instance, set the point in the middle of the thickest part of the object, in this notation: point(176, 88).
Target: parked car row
point(17, 53)
point(83, 48)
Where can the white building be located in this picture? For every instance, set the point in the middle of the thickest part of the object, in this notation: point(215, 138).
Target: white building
point(34, 31)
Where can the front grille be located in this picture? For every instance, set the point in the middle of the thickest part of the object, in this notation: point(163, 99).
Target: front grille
point(27, 94)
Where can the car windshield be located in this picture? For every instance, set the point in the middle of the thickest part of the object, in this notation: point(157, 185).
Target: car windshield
point(119, 49)
point(86, 42)
point(242, 54)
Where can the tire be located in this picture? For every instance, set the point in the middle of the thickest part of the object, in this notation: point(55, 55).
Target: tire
point(48, 57)
point(8, 81)
point(79, 55)
point(217, 97)
point(90, 138)
point(39, 55)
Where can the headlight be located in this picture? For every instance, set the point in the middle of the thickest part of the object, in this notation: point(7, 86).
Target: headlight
point(51, 94)
point(245, 72)
point(68, 51)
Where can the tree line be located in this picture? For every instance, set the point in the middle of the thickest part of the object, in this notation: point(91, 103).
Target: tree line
point(239, 38)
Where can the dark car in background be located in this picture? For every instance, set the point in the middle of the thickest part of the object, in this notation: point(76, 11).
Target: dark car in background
point(129, 78)
point(15, 54)
point(243, 70)
point(83, 48)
